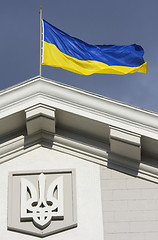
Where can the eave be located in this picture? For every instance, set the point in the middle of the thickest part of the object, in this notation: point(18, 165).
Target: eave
point(93, 127)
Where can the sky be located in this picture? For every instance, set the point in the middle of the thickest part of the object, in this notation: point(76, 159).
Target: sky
point(121, 22)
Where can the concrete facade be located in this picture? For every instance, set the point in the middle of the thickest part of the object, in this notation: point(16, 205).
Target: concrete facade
point(130, 206)
point(112, 147)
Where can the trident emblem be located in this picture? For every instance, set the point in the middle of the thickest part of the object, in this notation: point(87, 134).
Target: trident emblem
point(38, 208)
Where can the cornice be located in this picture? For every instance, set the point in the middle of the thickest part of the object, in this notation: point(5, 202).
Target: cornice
point(34, 106)
point(60, 96)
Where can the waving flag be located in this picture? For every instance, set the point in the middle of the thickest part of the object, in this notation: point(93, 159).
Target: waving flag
point(72, 54)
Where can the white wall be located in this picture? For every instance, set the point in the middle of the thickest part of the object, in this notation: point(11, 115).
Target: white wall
point(130, 207)
point(89, 208)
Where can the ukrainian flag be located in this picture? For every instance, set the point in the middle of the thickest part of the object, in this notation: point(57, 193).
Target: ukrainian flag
point(72, 54)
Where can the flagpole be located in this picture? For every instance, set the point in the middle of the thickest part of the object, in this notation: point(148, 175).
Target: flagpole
point(40, 68)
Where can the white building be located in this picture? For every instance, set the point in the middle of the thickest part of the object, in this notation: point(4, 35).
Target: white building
point(75, 165)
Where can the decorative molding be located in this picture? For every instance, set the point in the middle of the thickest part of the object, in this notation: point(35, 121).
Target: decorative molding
point(15, 147)
point(9, 147)
point(54, 142)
